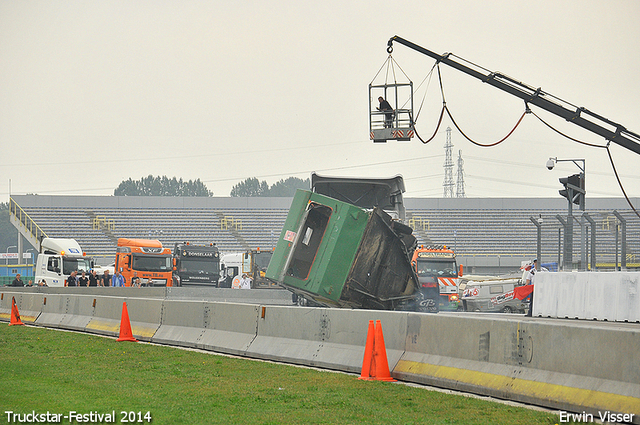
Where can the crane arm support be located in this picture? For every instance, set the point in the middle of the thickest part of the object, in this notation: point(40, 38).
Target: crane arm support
point(614, 132)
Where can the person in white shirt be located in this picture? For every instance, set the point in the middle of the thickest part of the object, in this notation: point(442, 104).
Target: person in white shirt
point(529, 281)
point(532, 273)
point(245, 282)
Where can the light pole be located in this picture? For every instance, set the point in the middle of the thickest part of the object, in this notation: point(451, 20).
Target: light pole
point(574, 191)
point(32, 259)
point(538, 223)
point(7, 257)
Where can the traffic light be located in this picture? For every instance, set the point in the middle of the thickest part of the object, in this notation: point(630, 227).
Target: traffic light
point(574, 189)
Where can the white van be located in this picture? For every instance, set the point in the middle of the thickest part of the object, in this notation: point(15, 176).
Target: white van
point(495, 295)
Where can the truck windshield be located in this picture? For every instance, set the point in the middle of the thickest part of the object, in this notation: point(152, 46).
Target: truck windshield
point(76, 264)
point(198, 266)
point(151, 263)
point(437, 267)
point(262, 260)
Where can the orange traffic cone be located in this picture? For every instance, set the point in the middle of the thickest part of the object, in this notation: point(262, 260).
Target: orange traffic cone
point(375, 365)
point(15, 315)
point(380, 354)
point(368, 353)
point(125, 326)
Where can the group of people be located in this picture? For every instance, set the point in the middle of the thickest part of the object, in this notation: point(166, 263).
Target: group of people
point(93, 279)
point(18, 282)
point(85, 279)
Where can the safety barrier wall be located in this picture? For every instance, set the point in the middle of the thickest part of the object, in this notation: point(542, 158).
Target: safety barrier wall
point(182, 323)
point(254, 296)
point(571, 366)
point(568, 365)
point(224, 327)
point(54, 308)
point(588, 295)
point(30, 306)
point(78, 312)
point(144, 316)
point(229, 328)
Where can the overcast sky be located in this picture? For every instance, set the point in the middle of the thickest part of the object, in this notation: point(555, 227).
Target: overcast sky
point(96, 92)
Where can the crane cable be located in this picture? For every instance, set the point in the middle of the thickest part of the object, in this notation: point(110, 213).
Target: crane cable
point(613, 165)
point(490, 144)
point(414, 121)
point(526, 111)
point(391, 65)
point(446, 108)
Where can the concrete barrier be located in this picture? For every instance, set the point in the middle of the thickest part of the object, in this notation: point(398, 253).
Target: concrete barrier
point(182, 323)
point(79, 311)
point(144, 316)
point(229, 328)
point(5, 305)
point(297, 342)
point(323, 337)
point(106, 317)
point(344, 338)
point(226, 295)
point(588, 295)
point(28, 306)
point(54, 308)
point(156, 292)
point(223, 327)
point(554, 364)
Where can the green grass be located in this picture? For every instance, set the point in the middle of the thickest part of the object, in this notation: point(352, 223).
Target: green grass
point(48, 370)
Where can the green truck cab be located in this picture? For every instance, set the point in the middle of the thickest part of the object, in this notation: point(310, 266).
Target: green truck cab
point(340, 255)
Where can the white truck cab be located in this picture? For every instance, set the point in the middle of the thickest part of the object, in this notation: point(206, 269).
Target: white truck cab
point(230, 269)
point(58, 258)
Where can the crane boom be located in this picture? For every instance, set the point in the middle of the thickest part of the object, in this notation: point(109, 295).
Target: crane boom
point(616, 133)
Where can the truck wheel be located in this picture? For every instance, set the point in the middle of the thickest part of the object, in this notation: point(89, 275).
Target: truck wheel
point(507, 309)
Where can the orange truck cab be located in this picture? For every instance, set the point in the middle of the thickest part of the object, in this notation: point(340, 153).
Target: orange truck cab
point(145, 261)
point(436, 266)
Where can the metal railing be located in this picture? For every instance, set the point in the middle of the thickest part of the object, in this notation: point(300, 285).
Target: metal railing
point(27, 222)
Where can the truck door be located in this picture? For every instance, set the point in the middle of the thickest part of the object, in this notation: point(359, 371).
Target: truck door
point(247, 258)
point(53, 265)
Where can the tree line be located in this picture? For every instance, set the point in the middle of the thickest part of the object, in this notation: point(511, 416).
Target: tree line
point(161, 186)
point(164, 186)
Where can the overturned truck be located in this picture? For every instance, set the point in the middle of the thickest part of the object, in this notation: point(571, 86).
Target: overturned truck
point(339, 255)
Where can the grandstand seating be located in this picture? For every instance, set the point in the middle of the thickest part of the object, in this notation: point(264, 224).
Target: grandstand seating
point(235, 225)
